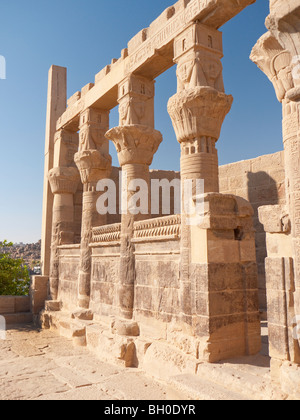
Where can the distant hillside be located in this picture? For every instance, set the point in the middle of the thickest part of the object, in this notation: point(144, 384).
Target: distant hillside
point(30, 253)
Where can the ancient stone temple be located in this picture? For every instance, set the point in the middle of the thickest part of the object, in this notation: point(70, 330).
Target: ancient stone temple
point(176, 287)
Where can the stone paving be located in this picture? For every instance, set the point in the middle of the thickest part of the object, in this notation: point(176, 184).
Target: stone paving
point(40, 365)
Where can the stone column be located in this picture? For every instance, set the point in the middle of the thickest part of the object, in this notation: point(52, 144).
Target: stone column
point(64, 182)
point(136, 142)
point(197, 112)
point(94, 164)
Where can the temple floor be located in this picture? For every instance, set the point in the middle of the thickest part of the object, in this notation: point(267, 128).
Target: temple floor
point(40, 364)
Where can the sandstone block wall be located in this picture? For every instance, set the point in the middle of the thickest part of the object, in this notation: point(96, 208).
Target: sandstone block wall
point(14, 304)
point(261, 181)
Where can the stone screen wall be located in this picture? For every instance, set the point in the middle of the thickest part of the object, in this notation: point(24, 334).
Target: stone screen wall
point(261, 181)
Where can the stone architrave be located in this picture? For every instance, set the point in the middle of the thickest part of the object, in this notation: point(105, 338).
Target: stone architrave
point(136, 142)
point(94, 164)
point(64, 182)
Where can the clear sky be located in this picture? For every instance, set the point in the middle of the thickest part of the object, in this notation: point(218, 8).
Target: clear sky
point(84, 35)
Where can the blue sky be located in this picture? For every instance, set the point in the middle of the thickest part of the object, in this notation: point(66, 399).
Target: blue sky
point(84, 35)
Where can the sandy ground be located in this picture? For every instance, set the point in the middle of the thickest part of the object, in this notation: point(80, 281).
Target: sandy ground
point(42, 365)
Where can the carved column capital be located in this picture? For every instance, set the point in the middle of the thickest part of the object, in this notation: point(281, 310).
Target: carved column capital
point(135, 144)
point(284, 24)
point(276, 63)
point(63, 180)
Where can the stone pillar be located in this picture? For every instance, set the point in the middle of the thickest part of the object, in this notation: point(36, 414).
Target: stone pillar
point(136, 142)
point(64, 182)
point(276, 60)
point(94, 164)
point(200, 105)
point(197, 112)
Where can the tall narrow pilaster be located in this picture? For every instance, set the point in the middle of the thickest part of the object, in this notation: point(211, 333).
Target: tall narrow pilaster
point(136, 142)
point(94, 164)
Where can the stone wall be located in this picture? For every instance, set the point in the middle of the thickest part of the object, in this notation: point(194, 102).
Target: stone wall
point(105, 278)
point(69, 259)
point(261, 181)
point(15, 309)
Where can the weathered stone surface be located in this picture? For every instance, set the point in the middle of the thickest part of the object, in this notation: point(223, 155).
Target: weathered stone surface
point(126, 328)
point(277, 55)
point(85, 315)
point(53, 305)
point(275, 219)
point(38, 293)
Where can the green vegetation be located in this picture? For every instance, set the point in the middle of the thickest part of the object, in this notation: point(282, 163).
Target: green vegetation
point(14, 275)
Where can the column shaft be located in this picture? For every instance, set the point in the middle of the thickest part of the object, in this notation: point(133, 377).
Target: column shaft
point(94, 164)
